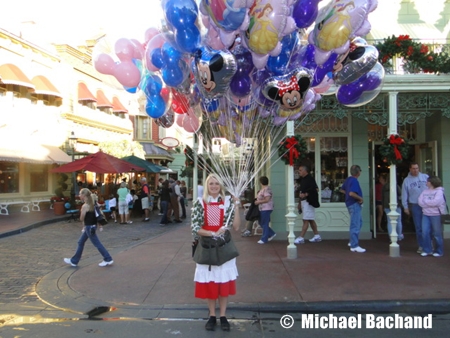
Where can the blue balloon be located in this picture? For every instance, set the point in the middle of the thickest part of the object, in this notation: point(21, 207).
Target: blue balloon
point(278, 64)
point(305, 12)
point(182, 16)
point(351, 93)
point(156, 57)
point(156, 108)
point(132, 90)
point(323, 70)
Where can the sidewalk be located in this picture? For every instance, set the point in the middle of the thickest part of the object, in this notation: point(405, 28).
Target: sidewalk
point(154, 278)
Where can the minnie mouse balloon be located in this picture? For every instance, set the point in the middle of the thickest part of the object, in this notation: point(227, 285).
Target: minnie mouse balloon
point(213, 71)
point(288, 91)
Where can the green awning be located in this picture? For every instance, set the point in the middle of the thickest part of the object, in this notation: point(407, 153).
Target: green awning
point(149, 166)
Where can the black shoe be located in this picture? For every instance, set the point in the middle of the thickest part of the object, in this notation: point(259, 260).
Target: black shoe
point(178, 221)
point(224, 324)
point(211, 323)
point(169, 222)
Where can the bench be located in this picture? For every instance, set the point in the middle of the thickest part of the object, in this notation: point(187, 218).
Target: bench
point(35, 203)
point(5, 204)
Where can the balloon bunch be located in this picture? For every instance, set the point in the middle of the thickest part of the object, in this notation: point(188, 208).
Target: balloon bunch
point(245, 67)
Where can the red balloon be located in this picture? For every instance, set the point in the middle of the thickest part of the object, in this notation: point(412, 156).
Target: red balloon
point(180, 103)
point(165, 93)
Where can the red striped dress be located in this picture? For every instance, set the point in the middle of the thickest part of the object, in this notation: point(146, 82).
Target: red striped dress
point(220, 281)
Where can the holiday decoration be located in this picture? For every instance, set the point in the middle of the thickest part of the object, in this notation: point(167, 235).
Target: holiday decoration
point(395, 149)
point(292, 149)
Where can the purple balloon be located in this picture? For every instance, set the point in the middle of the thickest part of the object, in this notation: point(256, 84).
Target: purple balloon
point(305, 12)
point(241, 84)
point(323, 70)
point(350, 93)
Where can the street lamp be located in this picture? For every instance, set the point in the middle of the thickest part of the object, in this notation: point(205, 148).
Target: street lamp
point(73, 144)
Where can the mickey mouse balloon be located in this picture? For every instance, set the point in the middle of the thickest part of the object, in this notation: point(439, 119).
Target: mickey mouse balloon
point(213, 71)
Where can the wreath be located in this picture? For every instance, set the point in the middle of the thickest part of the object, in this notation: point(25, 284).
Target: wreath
point(395, 149)
point(292, 149)
point(416, 56)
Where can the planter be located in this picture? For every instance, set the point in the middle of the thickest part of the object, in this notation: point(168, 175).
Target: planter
point(59, 208)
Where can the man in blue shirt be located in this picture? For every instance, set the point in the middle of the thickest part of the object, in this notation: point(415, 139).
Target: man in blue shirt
point(354, 202)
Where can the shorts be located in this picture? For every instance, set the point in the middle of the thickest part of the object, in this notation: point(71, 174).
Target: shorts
point(112, 208)
point(309, 212)
point(123, 208)
point(145, 203)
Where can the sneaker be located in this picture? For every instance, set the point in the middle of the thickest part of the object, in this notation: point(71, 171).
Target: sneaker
point(357, 249)
point(246, 233)
point(349, 244)
point(146, 220)
point(424, 254)
point(261, 242)
point(69, 261)
point(270, 238)
point(224, 324)
point(400, 237)
point(437, 255)
point(160, 214)
point(316, 239)
point(105, 263)
point(299, 240)
point(130, 222)
point(419, 251)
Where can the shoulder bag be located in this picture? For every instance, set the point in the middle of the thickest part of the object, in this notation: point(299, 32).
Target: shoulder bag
point(99, 215)
point(445, 219)
point(216, 250)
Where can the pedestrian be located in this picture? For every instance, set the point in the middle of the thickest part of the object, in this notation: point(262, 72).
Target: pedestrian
point(112, 203)
point(412, 187)
point(145, 199)
point(124, 212)
point(199, 188)
point(210, 215)
point(174, 201)
point(385, 202)
point(354, 202)
point(433, 204)
point(89, 219)
point(309, 198)
point(264, 200)
point(183, 192)
point(164, 198)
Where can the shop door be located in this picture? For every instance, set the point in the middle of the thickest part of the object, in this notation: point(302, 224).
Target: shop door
point(427, 158)
point(372, 181)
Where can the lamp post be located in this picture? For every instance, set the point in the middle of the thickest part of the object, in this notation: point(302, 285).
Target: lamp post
point(73, 144)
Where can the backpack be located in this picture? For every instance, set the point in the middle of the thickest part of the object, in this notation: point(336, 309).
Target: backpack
point(252, 212)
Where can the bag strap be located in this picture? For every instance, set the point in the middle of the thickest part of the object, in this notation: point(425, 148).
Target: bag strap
point(445, 204)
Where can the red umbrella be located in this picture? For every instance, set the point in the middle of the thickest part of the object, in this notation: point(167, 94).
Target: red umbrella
point(100, 163)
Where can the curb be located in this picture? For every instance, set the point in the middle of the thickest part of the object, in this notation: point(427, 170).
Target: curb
point(33, 226)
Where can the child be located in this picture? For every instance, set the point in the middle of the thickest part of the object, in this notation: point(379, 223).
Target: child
point(112, 207)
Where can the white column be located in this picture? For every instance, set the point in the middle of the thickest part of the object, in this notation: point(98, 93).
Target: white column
point(394, 248)
point(291, 216)
point(195, 171)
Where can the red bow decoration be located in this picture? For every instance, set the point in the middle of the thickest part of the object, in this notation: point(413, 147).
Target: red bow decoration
point(285, 87)
point(291, 142)
point(396, 141)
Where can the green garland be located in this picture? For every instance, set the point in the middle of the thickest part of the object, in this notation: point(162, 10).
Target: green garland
point(416, 56)
point(292, 149)
point(388, 149)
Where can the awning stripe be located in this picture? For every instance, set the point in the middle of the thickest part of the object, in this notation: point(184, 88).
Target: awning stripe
point(84, 93)
point(34, 153)
point(43, 86)
point(11, 74)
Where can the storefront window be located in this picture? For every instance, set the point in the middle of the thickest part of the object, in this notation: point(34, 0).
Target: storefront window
point(9, 177)
point(334, 167)
point(38, 177)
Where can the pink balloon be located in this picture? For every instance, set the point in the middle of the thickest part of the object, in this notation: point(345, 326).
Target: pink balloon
point(124, 49)
point(190, 122)
point(127, 74)
point(138, 49)
point(179, 119)
point(104, 64)
point(150, 33)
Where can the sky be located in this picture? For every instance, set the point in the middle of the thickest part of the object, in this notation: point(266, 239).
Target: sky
point(73, 22)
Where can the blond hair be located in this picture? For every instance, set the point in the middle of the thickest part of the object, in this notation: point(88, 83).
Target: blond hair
point(205, 191)
point(89, 199)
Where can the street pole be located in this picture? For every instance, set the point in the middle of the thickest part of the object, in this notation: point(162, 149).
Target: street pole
point(72, 144)
point(290, 216)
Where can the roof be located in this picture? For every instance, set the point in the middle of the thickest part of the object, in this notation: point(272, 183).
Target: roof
point(102, 101)
point(151, 150)
point(418, 31)
point(33, 153)
point(118, 106)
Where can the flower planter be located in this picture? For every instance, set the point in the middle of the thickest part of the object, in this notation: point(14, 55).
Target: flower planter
point(59, 208)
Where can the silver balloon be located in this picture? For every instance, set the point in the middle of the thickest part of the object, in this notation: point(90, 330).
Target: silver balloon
point(213, 70)
point(357, 61)
point(167, 120)
point(288, 90)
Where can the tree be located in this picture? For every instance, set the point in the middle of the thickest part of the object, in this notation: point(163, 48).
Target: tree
point(122, 148)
